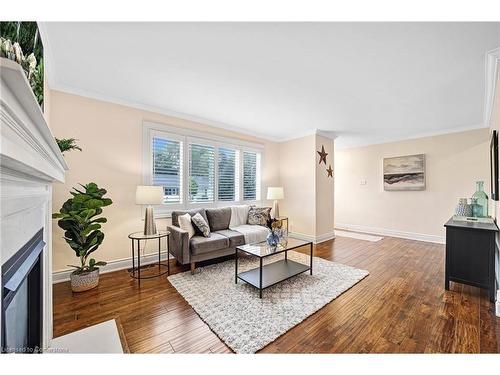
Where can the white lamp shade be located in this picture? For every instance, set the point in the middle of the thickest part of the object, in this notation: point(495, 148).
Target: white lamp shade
point(275, 193)
point(149, 195)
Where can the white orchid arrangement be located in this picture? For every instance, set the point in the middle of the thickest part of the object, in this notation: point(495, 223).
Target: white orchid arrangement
point(14, 52)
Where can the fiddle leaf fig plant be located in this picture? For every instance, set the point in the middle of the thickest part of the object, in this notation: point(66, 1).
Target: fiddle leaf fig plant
point(78, 217)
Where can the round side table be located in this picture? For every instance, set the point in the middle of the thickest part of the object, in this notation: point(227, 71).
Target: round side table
point(136, 238)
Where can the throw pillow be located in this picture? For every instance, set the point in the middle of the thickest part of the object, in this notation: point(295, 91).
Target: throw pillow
point(201, 224)
point(185, 224)
point(258, 215)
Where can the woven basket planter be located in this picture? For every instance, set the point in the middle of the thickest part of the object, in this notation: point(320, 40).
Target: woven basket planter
point(84, 281)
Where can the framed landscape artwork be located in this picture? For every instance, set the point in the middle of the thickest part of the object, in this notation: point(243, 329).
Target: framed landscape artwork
point(404, 173)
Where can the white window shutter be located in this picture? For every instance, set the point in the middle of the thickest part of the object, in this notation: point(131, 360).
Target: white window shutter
point(227, 176)
point(201, 173)
point(167, 168)
point(251, 174)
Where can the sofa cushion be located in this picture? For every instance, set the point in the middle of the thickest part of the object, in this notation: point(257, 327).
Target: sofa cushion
point(176, 214)
point(219, 218)
point(253, 233)
point(201, 245)
point(235, 238)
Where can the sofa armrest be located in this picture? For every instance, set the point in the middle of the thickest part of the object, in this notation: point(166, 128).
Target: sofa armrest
point(178, 244)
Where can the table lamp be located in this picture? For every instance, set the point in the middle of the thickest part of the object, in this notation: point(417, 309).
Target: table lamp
point(275, 193)
point(149, 195)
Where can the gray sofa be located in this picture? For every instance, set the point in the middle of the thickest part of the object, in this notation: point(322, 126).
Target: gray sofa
point(222, 240)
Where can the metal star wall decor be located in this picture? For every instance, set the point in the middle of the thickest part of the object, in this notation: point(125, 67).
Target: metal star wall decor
point(330, 171)
point(322, 155)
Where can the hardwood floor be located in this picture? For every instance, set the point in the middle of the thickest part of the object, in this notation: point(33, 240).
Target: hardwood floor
point(401, 307)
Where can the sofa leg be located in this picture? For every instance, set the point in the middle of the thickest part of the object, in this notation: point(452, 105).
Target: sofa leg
point(193, 266)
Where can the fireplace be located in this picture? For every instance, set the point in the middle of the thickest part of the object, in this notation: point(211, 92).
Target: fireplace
point(30, 163)
point(22, 298)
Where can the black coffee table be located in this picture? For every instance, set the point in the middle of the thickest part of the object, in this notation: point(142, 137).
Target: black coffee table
point(273, 273)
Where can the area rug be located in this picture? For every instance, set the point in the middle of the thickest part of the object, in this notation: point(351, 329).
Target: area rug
point(246, 323)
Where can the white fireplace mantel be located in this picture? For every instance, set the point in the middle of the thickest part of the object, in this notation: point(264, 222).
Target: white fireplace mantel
point(30, 163)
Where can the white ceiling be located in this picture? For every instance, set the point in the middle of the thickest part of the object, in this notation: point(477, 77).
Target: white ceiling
point(366, 82)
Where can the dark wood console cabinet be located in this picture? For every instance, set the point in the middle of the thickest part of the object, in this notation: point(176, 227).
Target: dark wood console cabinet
point(470, 254)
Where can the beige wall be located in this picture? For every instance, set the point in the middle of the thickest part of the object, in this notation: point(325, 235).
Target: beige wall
point(111, 138)
point(308, 191)
point(453, 163)
point(296, 158)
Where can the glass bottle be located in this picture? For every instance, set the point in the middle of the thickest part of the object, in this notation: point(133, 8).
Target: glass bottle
point(477, 210)
point(481, 200)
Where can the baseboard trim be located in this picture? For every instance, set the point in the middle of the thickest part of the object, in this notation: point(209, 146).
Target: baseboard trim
point(313, 239)
point(392, 233)
point(113, 265)
point(325, 237)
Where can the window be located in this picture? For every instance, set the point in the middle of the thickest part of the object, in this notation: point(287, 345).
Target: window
point(227, 177)
point(200, 170)
point(201, 173)
point(251, 176)
point(171, 191)
point(167, 167)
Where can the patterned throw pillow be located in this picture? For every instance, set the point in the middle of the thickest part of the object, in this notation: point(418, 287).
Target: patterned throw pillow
point(258, 215)
point(201, 224)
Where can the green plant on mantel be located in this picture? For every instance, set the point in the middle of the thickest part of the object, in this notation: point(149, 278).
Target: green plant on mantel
point(78, 218)
point(36, 83)
point(67, 144)
point(20, 42)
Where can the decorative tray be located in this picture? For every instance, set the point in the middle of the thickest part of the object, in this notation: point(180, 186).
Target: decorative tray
point(488, 220)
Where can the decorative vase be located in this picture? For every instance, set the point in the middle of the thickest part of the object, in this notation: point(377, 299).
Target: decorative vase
point(481, 200)
point(272, 239)
point(283, 237)
point(477, 210)
point(463, 208)
point(80, 282)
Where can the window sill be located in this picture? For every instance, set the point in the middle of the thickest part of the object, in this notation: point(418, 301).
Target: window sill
point(162, 212)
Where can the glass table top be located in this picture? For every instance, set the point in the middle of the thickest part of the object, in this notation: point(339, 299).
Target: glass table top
point(262, 249)
point(141, 236)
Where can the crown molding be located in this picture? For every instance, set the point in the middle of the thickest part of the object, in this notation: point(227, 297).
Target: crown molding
point(491, 73)
point(327, 134)
point(259, 136)
point(55, 86)
point(324, 133)
point(184, 116)
point(385, 140)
